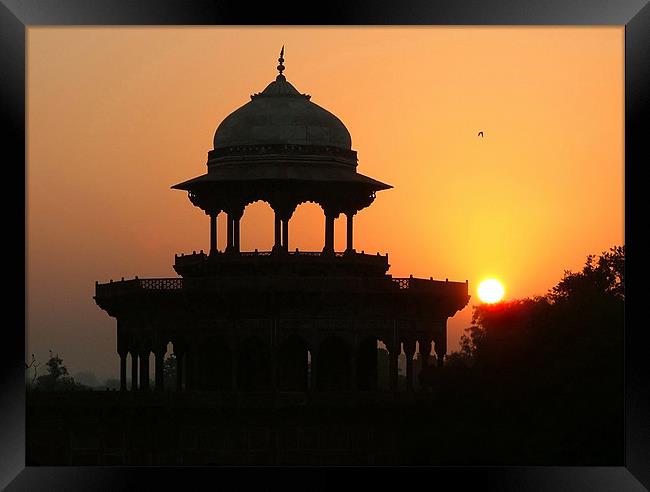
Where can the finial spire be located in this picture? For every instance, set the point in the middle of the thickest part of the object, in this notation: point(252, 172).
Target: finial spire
point(281, 60)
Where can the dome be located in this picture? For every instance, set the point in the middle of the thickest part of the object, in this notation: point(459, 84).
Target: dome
point(280, 140)
point(281, 115)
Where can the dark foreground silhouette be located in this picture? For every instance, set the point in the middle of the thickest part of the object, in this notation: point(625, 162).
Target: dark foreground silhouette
point(538, 381)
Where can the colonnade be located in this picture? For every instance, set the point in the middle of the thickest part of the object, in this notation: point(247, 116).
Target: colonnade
point(281, 231)
point(333, 366)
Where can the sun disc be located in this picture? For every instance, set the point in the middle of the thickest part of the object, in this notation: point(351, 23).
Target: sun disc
point(490, 291)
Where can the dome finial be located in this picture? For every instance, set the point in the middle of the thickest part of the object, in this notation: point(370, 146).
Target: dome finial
point(281, 60)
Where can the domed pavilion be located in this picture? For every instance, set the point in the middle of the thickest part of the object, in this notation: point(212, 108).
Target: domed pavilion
point(282, 320)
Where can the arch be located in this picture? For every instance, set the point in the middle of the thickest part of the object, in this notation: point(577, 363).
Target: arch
point(293, 364)
point(418, 365)
point(303, 200)
point(309, 219)
point(253, 359)
point(215, 365)
point(257, 226)
point(164, 371)
point(178, 350)
point(383, 365)
point(367, 368)
point(333, 365)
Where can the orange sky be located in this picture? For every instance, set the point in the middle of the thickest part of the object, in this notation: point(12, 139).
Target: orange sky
point(118, 115)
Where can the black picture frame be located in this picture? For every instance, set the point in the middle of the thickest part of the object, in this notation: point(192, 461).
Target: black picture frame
point(18, 15)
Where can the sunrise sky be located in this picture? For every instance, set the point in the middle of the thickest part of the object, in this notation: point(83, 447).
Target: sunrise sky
point(116, 116)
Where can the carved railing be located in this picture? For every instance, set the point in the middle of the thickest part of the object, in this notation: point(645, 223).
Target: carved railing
point(429, 285)
point(125, 286)
point(402, 283)
point(274, 149)
point(161, 283)
point(416, 283)
point(172, 284)
point(195, 257)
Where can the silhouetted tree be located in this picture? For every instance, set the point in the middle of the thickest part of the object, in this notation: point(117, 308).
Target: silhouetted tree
point(57, 378)
point(32, 365)
point(602, 276)
point(457, 359)
point(556, 361)
point(581, 317)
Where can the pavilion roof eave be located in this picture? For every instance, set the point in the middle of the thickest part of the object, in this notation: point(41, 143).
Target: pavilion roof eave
point(347, 178)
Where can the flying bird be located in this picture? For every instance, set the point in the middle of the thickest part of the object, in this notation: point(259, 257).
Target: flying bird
point(480, 134)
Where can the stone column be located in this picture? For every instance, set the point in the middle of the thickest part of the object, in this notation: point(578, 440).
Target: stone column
point(350, 246)
point(195, 370)
point(424, 352)
point(187, 369)
point(213, 233)
point(329, 233)
point(144, 370)
point(235, 239)
point(229, 245)
point(122, 351)
point(441, 358)
point(191, 359)
point(274, 369)
point(278, 233)
point(393, 371)
point(234, 216)
point(235, 357)
point(354, 385)
point(285, 234)
point(394, 346)
point(409, 351)
point(180, 361)
point(160, 368)
point(274, 357)
point(283, 209)
point(441, 345)
point(134, 370)
point(123, 356)
point(313, 380)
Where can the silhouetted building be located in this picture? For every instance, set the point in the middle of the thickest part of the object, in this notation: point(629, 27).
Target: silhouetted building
point(247, 321)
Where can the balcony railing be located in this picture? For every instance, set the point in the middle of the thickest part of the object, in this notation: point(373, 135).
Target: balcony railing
point(161, 283)
point(172, 284)
point(338, 254)
point(295, 257)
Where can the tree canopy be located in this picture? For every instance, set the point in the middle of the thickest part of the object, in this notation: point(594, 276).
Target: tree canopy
point(579, 318)
point(57, 377)
point(553, 363)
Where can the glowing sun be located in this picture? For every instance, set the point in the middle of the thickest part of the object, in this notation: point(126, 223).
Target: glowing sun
point(490, 291)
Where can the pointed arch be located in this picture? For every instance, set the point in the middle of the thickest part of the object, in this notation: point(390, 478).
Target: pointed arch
point(293, 364)
point(334, 369)
point(215, 366)
point(309, 219)
point(257, 226)
point(367, 369)
point(253, 359)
